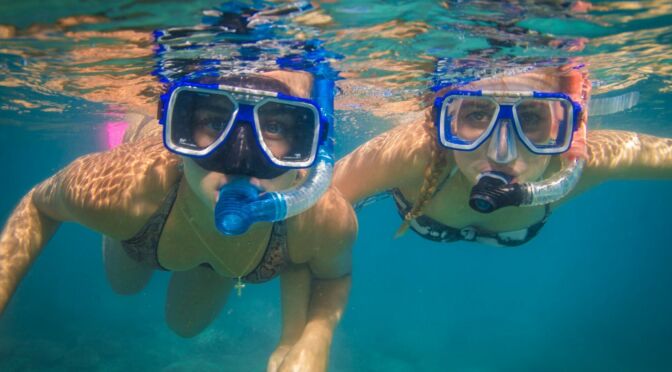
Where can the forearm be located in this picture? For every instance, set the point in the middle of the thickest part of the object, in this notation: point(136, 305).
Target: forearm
point(655, 158)
point(295, 293)
point(309, 319)
point(327, 303)
point(390, 160)
point(620, 154)
point(27, 230)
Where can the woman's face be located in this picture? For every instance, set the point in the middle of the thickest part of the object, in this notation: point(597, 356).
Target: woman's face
point(504, 151)
point(276, 126)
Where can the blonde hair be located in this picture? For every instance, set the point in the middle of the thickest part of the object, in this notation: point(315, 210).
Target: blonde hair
point(432, 176)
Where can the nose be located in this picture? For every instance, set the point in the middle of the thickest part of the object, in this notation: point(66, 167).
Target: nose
point(502, 148)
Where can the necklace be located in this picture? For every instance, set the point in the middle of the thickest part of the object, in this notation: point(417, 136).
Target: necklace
point(239, 286)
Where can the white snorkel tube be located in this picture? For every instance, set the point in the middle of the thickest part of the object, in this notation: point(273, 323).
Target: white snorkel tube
point(555, 187)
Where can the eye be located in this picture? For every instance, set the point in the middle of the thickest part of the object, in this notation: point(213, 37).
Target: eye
point(274, 128)
point(530, 119)
point(477, 116)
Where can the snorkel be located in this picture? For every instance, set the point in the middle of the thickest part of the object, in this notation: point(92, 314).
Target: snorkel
point(242, 204)
point(496, 189)
point(238, 39)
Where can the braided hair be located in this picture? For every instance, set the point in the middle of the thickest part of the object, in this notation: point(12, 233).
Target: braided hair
point(432, 175)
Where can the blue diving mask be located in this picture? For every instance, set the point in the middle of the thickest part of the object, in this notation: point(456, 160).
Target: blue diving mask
point(254, 133)
point(242, 131)
point(544, 122)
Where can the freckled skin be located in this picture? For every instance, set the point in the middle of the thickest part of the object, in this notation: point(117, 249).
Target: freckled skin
point(115, 192)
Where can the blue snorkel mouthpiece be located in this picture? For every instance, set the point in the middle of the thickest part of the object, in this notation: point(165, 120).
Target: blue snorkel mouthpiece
point(238, 39)
point(241, 204)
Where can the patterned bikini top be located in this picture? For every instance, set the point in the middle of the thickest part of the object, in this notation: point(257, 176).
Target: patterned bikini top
point(143, 246)
point(434, 230)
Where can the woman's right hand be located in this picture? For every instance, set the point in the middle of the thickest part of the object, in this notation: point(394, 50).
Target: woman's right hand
point(277, 358)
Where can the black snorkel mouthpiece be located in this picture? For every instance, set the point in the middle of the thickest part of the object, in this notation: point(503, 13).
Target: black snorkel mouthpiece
point(494, 190)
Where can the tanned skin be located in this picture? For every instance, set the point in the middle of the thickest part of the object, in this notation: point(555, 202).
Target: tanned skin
point(115, 193)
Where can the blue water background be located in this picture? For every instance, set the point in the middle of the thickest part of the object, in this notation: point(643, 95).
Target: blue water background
point(590, 293)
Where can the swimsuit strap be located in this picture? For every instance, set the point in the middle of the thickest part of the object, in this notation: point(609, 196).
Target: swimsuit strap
point(431, 229)
point(371, 199)
point(143, 246)
point(276, 258)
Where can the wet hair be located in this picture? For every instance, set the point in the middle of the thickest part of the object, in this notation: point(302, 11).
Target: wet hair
point(432, 175)
point(250, 81)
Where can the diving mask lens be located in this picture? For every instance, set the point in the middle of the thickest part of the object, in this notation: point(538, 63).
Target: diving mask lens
point(200, 120)
point(545, 124)
point(469, 119)
point(289, 131)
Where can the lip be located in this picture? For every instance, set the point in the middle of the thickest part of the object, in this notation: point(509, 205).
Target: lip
point(506, 170)
point(229, 179)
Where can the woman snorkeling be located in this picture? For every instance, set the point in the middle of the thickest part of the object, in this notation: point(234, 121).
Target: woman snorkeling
point(233, 190)
point(157, 211)
point(494, 157)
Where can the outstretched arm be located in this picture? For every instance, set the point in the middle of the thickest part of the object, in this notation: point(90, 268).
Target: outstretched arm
point(26, 232)
point(614, 154)
point(315, 290)
point(112, 192)
point(311, 309)
point(393, 159)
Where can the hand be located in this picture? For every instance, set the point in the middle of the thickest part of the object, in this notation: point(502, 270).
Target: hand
point(277, 357)
point(309, 354)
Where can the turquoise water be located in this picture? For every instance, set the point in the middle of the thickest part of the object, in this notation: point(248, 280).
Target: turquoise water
point(591, 292)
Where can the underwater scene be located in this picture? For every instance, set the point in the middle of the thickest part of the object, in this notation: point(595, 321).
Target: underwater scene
point(591, 292)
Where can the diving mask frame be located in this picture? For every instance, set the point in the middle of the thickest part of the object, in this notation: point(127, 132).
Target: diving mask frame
point(246, 104)
point(494, 190)
point(241, 204)
point(506, 112)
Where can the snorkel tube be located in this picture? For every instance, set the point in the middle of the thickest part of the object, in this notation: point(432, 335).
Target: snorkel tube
point(241, 204)
point(234, 37)
point(494, 190)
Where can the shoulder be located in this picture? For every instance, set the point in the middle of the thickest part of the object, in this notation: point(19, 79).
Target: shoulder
point(409, 142)
point(124, 184)
point(323, 235)
point(394, 159)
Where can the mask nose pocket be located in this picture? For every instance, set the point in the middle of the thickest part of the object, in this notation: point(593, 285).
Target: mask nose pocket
point(238, 148)
point(502, 148)
point(240, 154)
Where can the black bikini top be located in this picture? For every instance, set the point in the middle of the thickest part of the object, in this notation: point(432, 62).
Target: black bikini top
point(434, 230)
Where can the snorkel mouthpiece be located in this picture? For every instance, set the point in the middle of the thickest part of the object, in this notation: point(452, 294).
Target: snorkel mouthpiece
point(241, 204)
point(494, 190)
point(238, 207)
